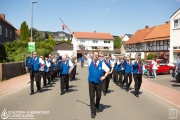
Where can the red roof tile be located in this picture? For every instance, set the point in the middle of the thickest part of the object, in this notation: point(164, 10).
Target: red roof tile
point(140, 35)
point(121, 37)
point(161, 32)
point(1, 17)
point(93, 35)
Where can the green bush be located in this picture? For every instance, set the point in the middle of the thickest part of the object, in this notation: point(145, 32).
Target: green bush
point(150, 56)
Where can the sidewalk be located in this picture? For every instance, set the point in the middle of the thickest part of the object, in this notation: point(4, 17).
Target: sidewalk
point(14, 83)
point(167, 94)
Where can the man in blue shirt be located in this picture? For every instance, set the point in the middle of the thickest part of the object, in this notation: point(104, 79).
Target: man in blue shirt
point(95, 78)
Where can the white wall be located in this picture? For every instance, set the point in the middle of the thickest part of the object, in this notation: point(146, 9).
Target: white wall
point(88, 43)
point(174, 36)
point(62, 52)
point(125, 38)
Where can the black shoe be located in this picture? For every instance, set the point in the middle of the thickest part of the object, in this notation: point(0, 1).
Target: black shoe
point(67, 91)
point(61, 93)
point(137, 95)
point(104, 93)
point(31, 93)
point(93, 115)
point(127, 89)
point(97, 110)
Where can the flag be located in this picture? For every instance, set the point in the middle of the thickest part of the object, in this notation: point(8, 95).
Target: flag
point(63, 26)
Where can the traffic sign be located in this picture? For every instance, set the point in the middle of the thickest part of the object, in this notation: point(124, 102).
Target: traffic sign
point(31, 46)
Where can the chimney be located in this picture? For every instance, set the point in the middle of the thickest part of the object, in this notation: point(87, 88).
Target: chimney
point(2, 16)
point(94, 31)
point(167, 22)
point(146, 26)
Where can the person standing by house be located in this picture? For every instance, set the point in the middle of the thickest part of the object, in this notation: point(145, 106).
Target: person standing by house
point(137, 73)
point(47, 65)
point(95, 78)
point(120, 64)
point(66, 68)
point(154, 67)
point(82, 61)
point(128, 72)
point(34, 73)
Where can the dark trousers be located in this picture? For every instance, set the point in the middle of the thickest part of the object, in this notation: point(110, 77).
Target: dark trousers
point(138, 81)
point(52, 74)
point(34, 74)
point(123, 79)
point(42, 74)
point(73, 73)
point(120, 77)
point(105, 84)
point(47, 76)
point(82, 63)
point(94, 89)
point(64, 80)
point(115, 76)
point(128, 75)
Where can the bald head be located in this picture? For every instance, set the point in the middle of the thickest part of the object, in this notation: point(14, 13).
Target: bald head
point(64, 58)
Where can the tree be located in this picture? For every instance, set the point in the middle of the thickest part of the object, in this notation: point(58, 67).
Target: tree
point(37, 35)
point(24, 32)
point(150, 56)
point(117, 43)
point(69, 41)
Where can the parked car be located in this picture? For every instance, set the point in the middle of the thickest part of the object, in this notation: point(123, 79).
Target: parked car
point(164, 67)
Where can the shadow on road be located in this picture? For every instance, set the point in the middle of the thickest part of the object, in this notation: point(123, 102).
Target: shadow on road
point(133, 92)
point(109, 91)
point(175, 85)
point(102, 107)
point(72, 90)
point(71, 86)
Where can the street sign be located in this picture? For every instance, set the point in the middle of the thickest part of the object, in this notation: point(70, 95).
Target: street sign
point(31, 46)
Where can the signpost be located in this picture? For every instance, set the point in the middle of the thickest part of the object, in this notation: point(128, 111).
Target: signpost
point(31, 46)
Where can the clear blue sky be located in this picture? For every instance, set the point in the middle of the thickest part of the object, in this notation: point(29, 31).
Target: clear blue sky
point(117, 17)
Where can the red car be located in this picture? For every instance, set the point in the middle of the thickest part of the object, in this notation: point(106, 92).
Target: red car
point(164, 67)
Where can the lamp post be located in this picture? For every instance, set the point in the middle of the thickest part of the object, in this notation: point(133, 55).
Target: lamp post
point(32, 20)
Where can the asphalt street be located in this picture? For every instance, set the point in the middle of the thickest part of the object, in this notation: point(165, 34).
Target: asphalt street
point(116, 105)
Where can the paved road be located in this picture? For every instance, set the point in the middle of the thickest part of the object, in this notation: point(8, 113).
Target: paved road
point(165, 80)
point(116, 105)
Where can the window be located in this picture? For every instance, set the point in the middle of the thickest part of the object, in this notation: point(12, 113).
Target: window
point(106, 47)
point(60, 34)
point(82, 40)
point(176, 24)
point(161, 43)
point(175, 48)
point(0, 30)
point(11, 34)
point(106, 41)
point(94, 47)
point(95, 41)
point(6, 31)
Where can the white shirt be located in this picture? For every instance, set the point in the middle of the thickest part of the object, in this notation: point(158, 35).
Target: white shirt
point(48, 64)
point(104, 66)
point(154, 65)
point(42, 63)
point(70, 63)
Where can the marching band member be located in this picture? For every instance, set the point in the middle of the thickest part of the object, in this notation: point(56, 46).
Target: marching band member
point(95, 78)
point(47, 65)
point(128, 72)
point(115, 72)
point(41, 71)
point(137, 73)
point(66, 68)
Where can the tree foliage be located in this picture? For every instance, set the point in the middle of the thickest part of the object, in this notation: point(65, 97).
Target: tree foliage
point(37, 35)
point(24, 32)
point(150, 56)
point(69, 41)
point(117, 43)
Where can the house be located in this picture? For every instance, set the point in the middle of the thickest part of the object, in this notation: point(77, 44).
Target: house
point(61, 35)
point(7, 30)
point(175, 36)
point(154, 40)
point(45, 35)
point(124, 38)
point(103, 42)
point(63, 48)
